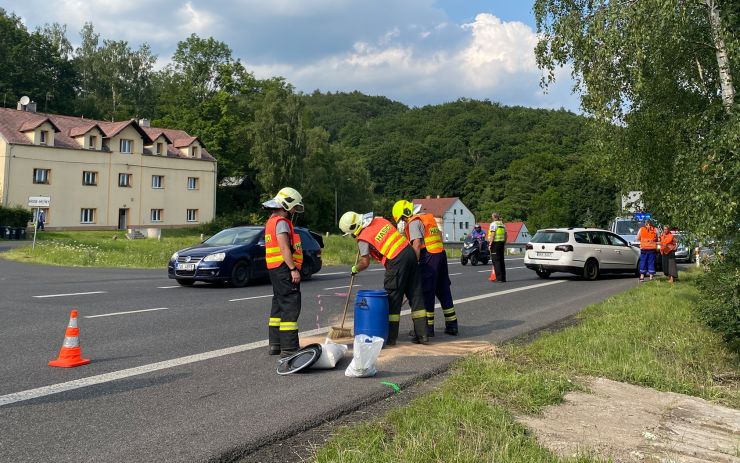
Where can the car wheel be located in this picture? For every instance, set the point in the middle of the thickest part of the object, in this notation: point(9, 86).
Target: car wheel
point(544, 274)
point(240, 274)
point(591, 269)
point(306, 270)
point(183, 282)
point(464, 260)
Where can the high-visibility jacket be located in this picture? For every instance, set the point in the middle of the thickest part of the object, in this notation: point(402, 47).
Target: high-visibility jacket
point(497, 232)
point(432, 235)
point(273, 256)
point(648, 237)
point(384, 239)
point(667, 243)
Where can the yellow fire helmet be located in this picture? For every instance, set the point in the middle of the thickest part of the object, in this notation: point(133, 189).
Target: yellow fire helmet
point(402, 208)
point(288, 199)
point(350, 223)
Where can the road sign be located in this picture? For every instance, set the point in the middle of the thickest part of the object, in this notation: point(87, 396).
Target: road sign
point(39, 201)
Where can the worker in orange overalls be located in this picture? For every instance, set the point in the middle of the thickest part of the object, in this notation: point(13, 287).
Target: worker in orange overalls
point(668, 247)
point(648, 238)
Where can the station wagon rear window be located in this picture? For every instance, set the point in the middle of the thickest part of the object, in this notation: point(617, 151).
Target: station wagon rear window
point(550, 236)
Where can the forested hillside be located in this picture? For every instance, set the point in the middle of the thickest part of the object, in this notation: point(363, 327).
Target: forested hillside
point(340, 150)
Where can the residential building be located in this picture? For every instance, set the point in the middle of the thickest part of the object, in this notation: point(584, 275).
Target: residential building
point(105, 175)
point(453, 217)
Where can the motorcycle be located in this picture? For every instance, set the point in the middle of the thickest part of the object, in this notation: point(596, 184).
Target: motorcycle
point(475, 250)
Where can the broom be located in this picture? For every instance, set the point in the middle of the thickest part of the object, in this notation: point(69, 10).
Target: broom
point(337, 332)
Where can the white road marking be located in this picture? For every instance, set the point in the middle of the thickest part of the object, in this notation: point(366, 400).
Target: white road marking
point(168, 287)
point(248, 298)
point(71, 294)
point(333, 273)
point(375, 270)
point(44, 391)
point(340, 287)
point(125, 313)
point(507, 268)
point(453, 274)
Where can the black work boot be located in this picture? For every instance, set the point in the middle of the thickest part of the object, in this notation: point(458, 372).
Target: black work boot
point(420, 331)
point(451, 328)
point(274, 349)
point(392, 334)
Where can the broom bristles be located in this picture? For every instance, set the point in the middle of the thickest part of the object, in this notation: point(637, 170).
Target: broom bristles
point(336, 332)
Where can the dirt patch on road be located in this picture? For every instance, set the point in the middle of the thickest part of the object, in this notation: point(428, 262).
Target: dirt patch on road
point(629, 423)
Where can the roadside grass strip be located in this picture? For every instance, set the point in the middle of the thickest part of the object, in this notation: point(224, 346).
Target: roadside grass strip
point(649, 336)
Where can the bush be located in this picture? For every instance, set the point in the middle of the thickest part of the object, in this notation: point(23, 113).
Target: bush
point(15, 216)
point(719, 301)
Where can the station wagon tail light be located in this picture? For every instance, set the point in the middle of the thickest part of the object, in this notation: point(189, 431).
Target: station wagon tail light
point(564, 247)
point(217, 257)
point(529, 246)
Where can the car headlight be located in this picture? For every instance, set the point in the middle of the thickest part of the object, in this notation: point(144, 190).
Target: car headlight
point(175, 256)
point(217, 257)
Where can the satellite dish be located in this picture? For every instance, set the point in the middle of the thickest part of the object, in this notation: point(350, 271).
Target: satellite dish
point(25, 100)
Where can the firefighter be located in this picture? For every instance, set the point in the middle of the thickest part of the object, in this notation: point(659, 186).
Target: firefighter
point(378, 238)
point(284, 256)
point(426, 240)
point(497, 238)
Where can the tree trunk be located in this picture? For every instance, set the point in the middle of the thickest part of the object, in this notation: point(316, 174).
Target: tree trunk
point(725, 78)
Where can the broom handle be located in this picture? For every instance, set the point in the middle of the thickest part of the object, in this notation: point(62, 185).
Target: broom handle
point(349, 291)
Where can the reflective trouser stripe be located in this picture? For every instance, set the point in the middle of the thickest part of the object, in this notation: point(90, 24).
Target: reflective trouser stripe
point(449, 314)
point(430, 318)
point(419, 314)
point(288, 326)
point(394, 318)
point(274, 322)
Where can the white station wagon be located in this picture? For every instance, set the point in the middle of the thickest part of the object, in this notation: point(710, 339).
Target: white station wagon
point(588, 252)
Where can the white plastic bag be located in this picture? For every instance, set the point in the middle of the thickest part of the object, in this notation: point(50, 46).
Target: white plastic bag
point(365, 354)
point(331, 353)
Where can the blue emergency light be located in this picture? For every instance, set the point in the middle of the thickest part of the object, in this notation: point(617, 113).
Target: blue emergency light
point(642, 215)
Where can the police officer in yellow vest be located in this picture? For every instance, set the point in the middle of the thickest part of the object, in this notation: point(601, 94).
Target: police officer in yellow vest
point(378, 238)
point(426, 240)
point(497, 238)
point(284, 257)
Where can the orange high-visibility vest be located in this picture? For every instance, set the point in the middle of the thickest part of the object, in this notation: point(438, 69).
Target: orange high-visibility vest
point(384, 239)
point(667, 243)
point(432, 235)
point(273, 256)
point(648, 238)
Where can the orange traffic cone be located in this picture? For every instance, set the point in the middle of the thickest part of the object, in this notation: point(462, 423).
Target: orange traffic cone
point(493, 274)
point(70, 354)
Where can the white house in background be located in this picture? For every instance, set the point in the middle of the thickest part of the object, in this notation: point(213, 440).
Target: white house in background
point(453, 217)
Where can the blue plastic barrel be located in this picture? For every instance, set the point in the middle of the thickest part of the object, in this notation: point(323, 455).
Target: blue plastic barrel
point(371, 313)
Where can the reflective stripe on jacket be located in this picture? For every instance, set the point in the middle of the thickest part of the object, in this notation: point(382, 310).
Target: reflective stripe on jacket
point(648, 237)
point(384, 239)
point(273, 256)
point(432, 234)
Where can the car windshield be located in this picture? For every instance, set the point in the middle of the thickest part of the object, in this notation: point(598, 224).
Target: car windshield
point(628, 227)
point(233, 236)
point(550, 236)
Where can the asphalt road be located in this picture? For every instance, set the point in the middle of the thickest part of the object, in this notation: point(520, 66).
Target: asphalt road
point(182, 374)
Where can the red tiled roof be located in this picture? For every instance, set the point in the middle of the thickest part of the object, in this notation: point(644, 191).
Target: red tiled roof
point(183, 142)
point(69, 127)
point(512, 229)
point(435, 206)
point(33, 124)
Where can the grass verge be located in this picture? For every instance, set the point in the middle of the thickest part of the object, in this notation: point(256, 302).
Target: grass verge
point(648, 336)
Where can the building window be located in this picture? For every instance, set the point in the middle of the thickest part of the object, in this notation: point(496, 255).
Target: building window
point(192, 215)
point(461, 225)
point(466, 225)
point(93, 142)
point(195, 151)
point(454, 212)
point(41, 176)
point(41, 214)
point(160, 148)
point(156, 215)
point(89, 178)
point(192, 183)
point(43, 137)
point(157, 181)
point(124, 180)
point(87, 216)
point(126, 145)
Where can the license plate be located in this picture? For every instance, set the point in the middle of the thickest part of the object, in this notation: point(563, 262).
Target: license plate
point(186, 267)
point(544, 254)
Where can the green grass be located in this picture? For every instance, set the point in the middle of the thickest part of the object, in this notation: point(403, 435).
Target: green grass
point(648, 336)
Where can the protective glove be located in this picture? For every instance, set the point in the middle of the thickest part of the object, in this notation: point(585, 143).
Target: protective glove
point(354, 270)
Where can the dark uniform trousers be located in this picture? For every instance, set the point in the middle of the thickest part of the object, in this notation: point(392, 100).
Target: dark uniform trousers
point(286, 307)
point(436, 284)
point(497, 248)
point(402, 277)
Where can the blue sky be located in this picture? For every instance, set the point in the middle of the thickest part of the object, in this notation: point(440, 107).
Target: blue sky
point(417, 52)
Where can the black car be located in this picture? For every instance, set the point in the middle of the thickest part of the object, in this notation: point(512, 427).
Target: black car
point(237, 256)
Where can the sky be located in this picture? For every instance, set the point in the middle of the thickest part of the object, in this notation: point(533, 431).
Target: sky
point(417, 52)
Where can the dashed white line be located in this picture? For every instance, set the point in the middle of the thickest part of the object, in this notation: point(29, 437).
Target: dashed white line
point(341, 287)
point(70, 294)
point(333, 273)
point(248, 298)
point(507, 268)
point(143, 369)
point(168, 287)
point(125, 313)
point(453, 274)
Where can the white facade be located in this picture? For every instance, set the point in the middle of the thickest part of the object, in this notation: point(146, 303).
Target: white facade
point(456, 222)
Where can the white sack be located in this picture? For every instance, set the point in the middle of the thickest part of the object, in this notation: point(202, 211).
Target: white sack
point(365, 354)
